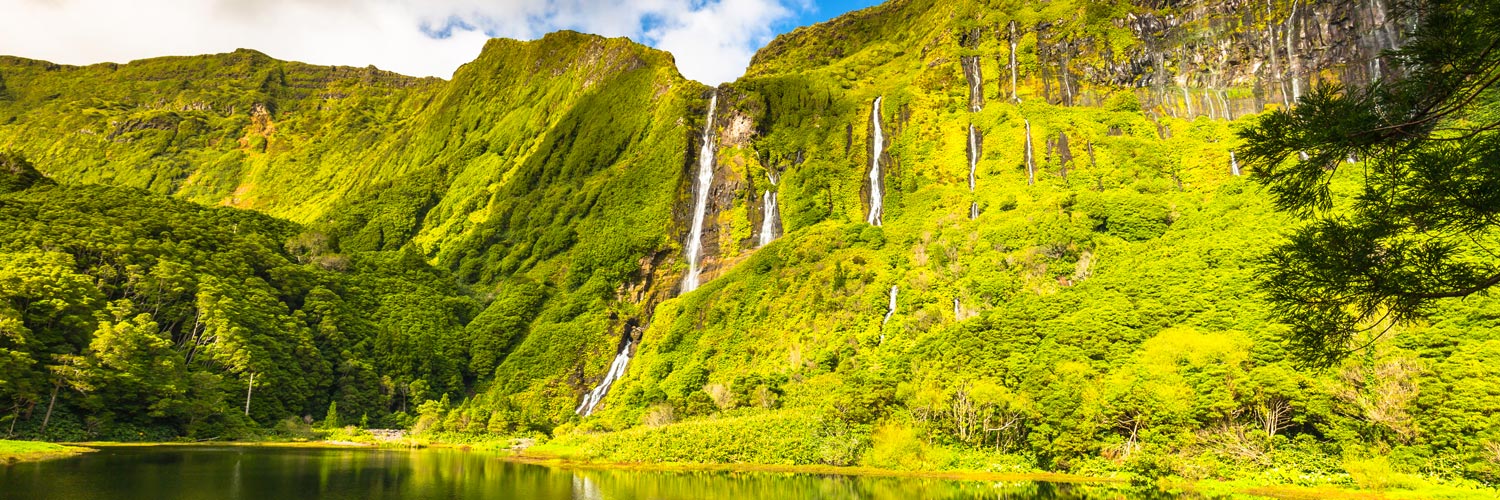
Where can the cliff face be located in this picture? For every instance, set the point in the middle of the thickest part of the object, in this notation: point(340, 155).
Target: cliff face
point(1220, 60)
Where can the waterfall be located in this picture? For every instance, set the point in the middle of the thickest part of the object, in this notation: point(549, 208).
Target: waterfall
point(973, 161)
point(1013, 95)
point(891, 309)
point(1294, 65)
point(973, 155)
point(700, 202)
point(958, 314)
point(1234, 166)
point(1030, 161)
point(877, 208)
point(975, 79)
point(616, 370)
point(768, 218)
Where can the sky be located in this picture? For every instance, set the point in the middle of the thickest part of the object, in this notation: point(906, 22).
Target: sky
point(712, 40)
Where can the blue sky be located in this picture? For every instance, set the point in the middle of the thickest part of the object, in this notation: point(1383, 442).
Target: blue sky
point(712, 40)
point(825, 10)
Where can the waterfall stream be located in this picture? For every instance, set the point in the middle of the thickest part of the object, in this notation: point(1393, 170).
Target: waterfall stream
point(616, 370)
point(768, 218)
point(704, 182)
point(877, 208)
point(973, 162)
point(1013, 95)
point(1030, 161)
point(1234, 165)
point(891, 309)
point(973, 155)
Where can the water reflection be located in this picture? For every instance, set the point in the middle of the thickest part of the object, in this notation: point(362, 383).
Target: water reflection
point(214, 473)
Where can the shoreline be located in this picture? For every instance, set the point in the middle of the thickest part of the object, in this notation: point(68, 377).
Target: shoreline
point(1204, 487)
point(16, 452)
point(825, 470)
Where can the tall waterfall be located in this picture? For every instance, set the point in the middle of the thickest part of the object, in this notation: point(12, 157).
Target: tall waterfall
point(768, 212)
point(958, 313)
point(1234, 165)
point(973, 162)
point(616, 370)
point(891, 309)
point(1030, 158)
point(877, 207)
point(700, 203)
point(973, 155)
point(1013, 95)
point(768, 218)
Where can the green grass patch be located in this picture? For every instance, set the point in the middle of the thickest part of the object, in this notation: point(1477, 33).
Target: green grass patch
point(12, 452)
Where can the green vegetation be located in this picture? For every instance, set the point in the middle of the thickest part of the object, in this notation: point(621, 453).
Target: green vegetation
point(132, 316)
point(1421, 226)
point(465, 258)
point(30, 451)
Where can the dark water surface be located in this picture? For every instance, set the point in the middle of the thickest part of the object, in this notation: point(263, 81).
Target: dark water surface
point(252, 473)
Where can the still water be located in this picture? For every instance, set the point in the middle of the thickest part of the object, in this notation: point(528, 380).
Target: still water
point(224, 473)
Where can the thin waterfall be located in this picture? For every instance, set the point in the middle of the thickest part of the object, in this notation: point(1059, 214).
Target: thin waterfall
point(1294, 66)
point(973, 162)
point(891, 309)
point(768, 219)
point(616, 370)
point(877, 207)
point(1234, 165)
point(1013, 95)
point(958, 314)
point(769, 213)
point(1291, 54)
point(700, 203)
point(1030, 160)
point(973, 155)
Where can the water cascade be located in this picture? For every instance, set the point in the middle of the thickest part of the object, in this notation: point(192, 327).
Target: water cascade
point(891, 309)
point(1013, 95)
point(975, 79)
point(973, 162)
point(1294, 64)
point(876, 207)
point(1030, 161)
point(616, 370)
point(1234, 165)
point(958, 314)
point(768, 218)
point(973, 155)
point(700, 203)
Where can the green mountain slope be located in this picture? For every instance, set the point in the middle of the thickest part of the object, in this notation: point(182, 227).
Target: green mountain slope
point(1064, 235)
point(151, 314)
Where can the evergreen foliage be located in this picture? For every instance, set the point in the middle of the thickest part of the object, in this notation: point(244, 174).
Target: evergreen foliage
point(1416, 222)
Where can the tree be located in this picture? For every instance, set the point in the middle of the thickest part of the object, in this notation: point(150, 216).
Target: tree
point(132, 362)
point(1417, 223)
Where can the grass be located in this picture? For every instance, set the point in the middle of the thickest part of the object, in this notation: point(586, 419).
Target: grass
point(13, 452)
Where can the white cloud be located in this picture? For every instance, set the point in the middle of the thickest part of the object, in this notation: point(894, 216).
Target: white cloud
point(712, 40)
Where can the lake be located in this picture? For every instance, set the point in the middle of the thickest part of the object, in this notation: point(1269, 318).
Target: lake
point(270, 473)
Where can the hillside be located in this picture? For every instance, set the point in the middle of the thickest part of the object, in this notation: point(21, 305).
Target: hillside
point(1001, 235)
